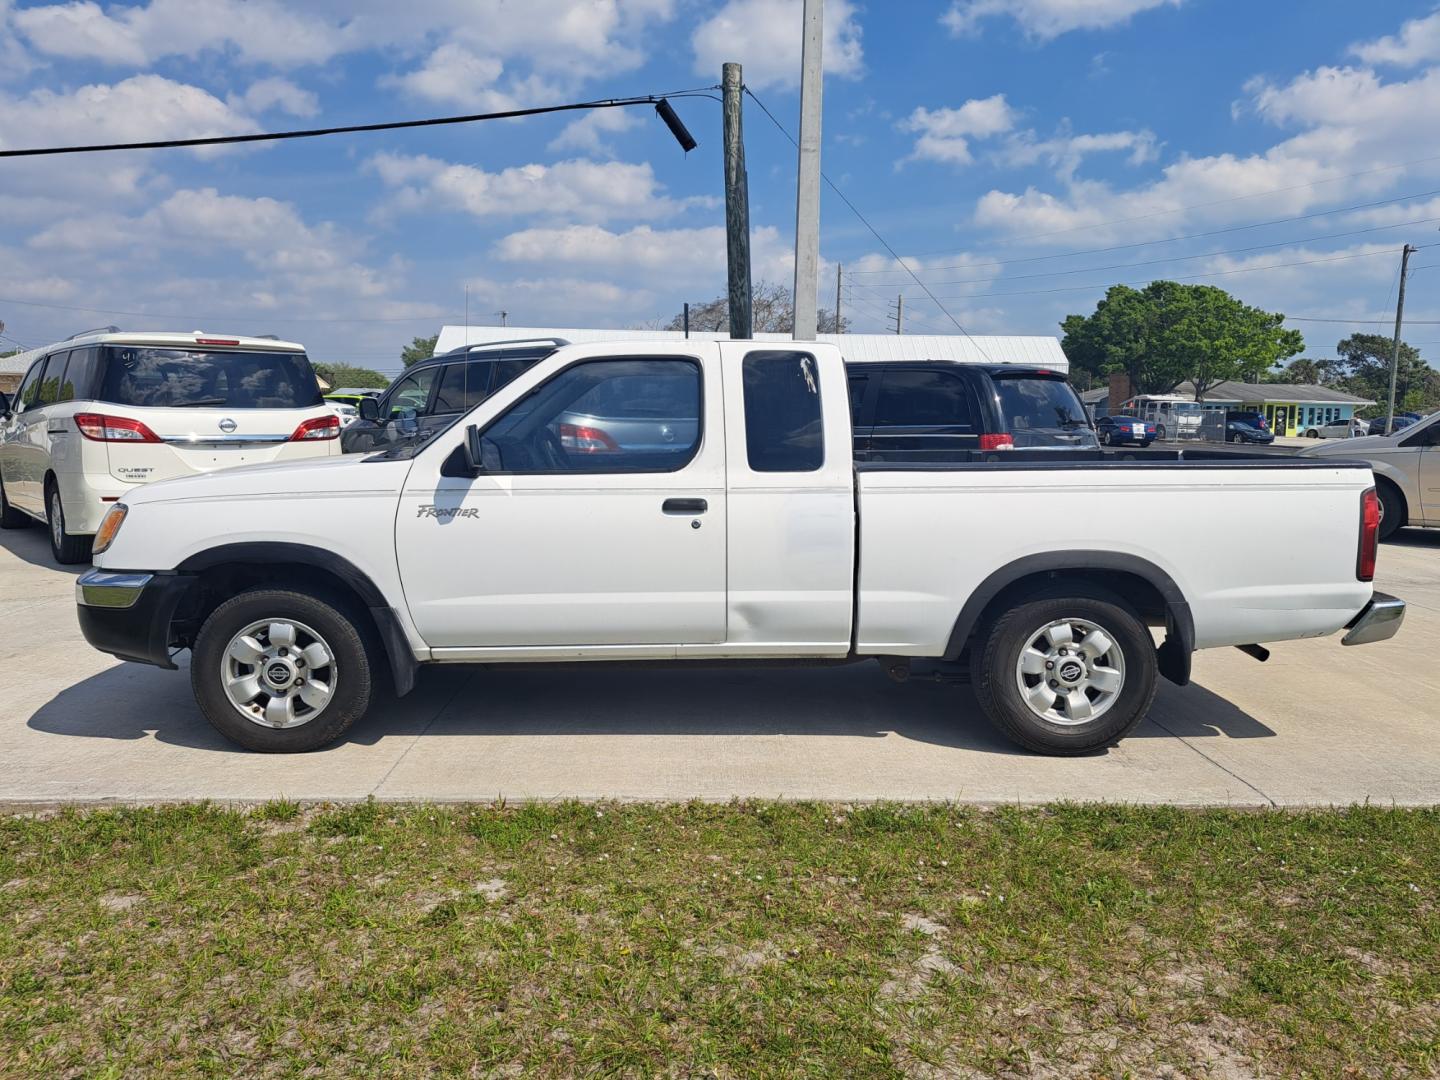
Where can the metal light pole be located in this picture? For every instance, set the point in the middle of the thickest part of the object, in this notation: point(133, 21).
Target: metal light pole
point(807, 189)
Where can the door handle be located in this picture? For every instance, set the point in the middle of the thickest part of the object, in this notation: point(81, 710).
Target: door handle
point(684, 506)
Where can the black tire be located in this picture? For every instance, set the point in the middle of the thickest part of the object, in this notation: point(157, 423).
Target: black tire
point(996, 655)
point(1108, 438)
point(1312, 434)
point(1235, 438)
point(348, 640)
point(1392, 509)
point(10, 518)
point(67, 548)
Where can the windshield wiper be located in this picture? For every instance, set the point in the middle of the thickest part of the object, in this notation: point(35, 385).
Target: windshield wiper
point(199, 403)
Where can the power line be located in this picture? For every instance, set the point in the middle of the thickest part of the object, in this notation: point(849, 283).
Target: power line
point(1217, 202)
point(1189, 277)
point(1166, 240)
point(311, 133)
point(1174, 258)
point(873, 231)
point(1363, 322)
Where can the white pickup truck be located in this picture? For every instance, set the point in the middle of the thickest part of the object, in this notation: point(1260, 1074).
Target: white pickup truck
point(699, 502)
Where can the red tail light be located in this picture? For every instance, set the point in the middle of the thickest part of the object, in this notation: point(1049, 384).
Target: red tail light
point(216, 341)
point(996, 442)
point(1369, 535)
point(317, 427)
point(586, 440)
point(102, 428)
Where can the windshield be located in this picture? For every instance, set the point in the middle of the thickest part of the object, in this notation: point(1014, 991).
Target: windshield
point(179, 378)
point(1043, 411)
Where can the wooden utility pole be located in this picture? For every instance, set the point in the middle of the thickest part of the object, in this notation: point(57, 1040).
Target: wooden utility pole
point(899, 315)
point(737, 205)
point(807, 186)
point(839, 276)
point(1395, 352)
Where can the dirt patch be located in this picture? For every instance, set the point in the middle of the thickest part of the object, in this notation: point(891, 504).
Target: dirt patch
point(118, 902)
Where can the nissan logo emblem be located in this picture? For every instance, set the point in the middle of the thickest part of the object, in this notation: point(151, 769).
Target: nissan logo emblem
point(227, 425)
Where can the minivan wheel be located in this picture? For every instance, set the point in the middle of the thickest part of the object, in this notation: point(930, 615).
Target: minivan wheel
point(280, 671)
point(1392, 509)
point(10, 518)
point(1065, 675)
point(67, 549)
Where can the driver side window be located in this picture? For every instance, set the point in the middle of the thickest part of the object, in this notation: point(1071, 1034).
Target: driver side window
point(412, 392)
point(602, 416)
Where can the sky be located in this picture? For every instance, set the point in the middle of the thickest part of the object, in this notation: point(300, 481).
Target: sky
point(1020, 155)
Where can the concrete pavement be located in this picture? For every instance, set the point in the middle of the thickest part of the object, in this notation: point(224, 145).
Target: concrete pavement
point(1317, 724)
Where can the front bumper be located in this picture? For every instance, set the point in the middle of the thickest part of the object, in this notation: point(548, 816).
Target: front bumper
point(1378, 620)
point(128, 613)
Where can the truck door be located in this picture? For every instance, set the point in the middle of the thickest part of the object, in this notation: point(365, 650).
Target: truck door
point(790, 474)
point(600, 517)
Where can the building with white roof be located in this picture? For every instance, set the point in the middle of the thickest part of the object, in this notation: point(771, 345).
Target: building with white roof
point(857, 348)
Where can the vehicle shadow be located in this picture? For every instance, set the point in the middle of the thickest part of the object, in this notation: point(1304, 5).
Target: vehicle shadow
point(129, 702)
point(1416, 538)
point(32, 545)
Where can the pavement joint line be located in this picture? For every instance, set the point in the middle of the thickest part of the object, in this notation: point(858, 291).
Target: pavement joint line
point(1228, 772)
point(469, 677)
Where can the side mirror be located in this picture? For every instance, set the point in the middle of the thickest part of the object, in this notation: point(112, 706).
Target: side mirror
point(369, 408)
point(474, 450)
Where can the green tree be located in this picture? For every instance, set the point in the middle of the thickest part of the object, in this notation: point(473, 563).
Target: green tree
point(348, 375)
point(422, 348)
point(1311, 372)
point(1168, 333)
point(772, 311)
point(1364, 364)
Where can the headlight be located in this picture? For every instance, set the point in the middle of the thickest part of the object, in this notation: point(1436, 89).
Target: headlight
point(105, 535)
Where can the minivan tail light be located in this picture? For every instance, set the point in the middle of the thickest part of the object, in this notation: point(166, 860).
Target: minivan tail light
point(1369, 535)
point(586, 440)
point(317, 427)
point(102, 428)
point(996, 442)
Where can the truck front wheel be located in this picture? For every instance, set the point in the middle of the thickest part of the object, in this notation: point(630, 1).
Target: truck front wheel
point(1065, 676)
point(280, 671)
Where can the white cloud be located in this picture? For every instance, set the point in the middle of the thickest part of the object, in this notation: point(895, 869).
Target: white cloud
point(764, 37)
point(455, 75)
point(588, 133)
point(672, 255)
point(1047, 19)
point(585, 190)
point(1066, 151)
point(944, 134)
point(276, 93)
point(1418, 42)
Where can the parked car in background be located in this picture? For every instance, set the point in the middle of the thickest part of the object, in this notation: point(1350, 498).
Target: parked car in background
point(101, 413)
point(1253, 417)
point(1046, 574)
point(1238, 431)
point(348, 414)
point(905, 410)
point(1121, 430)
point(351, 395)
point(1353, 428)
point(1174, 417)
point(1407, 472)
point(432, 392)
point(1380, 425)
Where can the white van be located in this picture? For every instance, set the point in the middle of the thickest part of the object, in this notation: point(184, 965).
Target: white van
point(102, 413)
point(1174, 417)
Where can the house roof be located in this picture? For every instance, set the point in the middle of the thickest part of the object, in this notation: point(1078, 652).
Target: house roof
point(857, 348)
point(1094, 397)
point(1309, 393)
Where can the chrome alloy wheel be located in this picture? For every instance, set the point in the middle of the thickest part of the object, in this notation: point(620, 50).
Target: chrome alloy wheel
point(278, 673)
point(57, 520)
point(1071, 672)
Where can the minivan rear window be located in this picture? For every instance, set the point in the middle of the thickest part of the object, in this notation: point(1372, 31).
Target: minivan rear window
point(231, 379)
point(1039, 406)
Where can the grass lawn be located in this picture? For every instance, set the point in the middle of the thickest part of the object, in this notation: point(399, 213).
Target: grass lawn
point(752, 939)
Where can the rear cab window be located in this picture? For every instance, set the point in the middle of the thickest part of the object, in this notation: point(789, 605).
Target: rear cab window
point(784, 431)
point(1041, 410)
point(152, 377)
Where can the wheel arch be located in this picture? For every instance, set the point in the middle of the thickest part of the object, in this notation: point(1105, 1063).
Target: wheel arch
point(219, 572)
point(1145, 586)
point(1387, 475)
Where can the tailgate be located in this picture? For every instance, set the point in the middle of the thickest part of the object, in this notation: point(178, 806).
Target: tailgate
point(204, 441)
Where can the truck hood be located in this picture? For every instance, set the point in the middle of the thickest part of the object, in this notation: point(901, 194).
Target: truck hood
point(322, 476)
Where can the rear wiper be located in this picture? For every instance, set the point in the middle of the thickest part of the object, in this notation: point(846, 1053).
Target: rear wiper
point(199, 403)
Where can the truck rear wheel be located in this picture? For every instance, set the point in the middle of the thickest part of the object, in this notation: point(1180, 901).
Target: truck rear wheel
point(281, 671)
point(1065, 675)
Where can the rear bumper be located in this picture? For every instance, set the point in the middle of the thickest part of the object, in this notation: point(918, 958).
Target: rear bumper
point(1378, 620)
point(128, 614)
